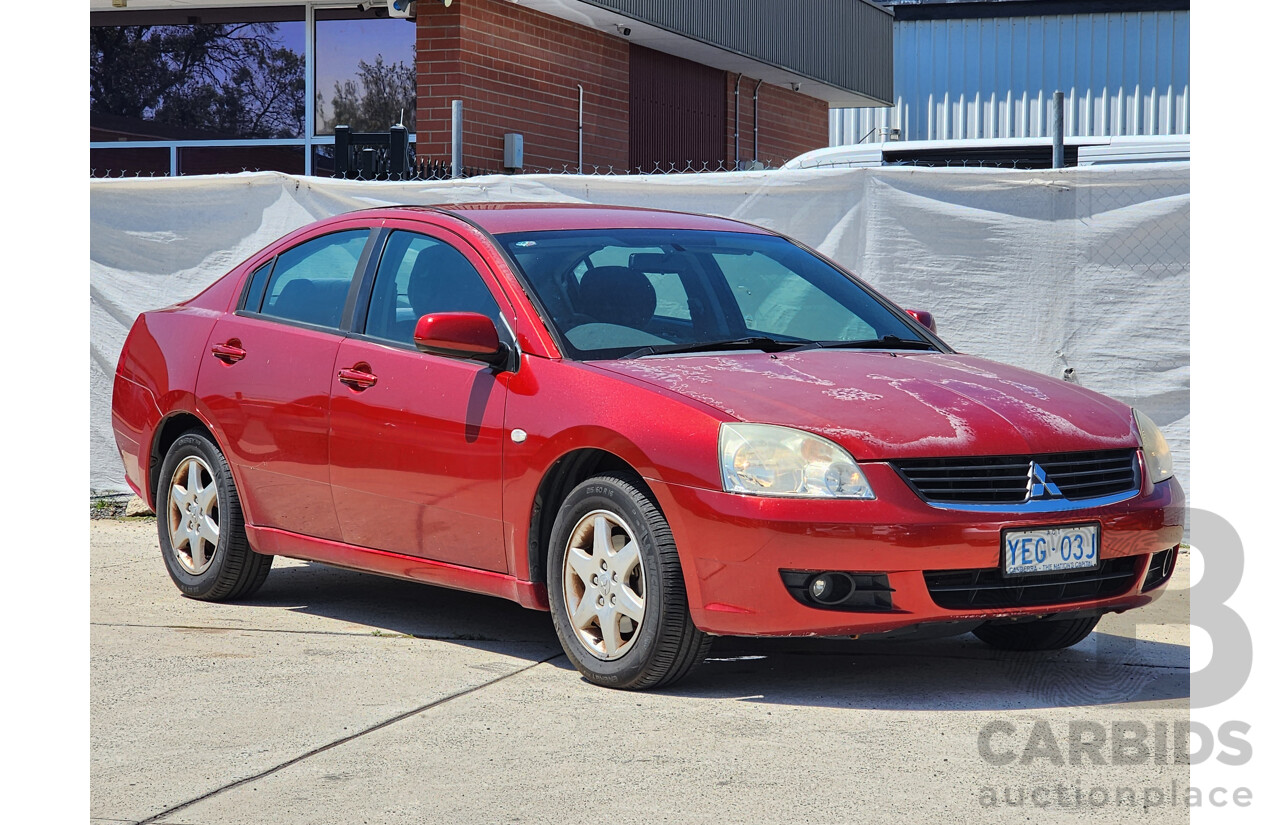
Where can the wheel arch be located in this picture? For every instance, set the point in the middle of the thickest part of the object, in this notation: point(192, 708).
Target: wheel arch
point(169, 430)
point(565, 473)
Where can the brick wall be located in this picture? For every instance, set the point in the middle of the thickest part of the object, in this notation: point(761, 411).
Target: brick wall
point(518, 70)
point(791, 123)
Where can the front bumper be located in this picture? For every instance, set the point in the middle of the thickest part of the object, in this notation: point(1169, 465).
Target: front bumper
point(734, 547)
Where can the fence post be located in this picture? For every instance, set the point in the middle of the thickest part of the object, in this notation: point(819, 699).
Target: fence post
point(398, 153)
point(341, 151)
point(1058, 126)
point(457, 139)
point(366, 163)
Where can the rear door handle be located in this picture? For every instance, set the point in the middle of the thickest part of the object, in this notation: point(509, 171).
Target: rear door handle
point(358, 377)
point(229, 353)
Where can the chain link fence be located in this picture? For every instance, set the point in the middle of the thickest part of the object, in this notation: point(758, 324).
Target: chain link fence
point(435, 169)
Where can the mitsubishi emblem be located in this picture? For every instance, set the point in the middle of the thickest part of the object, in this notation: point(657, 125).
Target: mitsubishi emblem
point(1041, 486)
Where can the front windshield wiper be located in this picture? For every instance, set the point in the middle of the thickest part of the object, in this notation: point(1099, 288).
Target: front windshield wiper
point(753, 342)
point(887, 342)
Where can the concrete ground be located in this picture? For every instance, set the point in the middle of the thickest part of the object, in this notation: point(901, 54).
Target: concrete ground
point(338, 697)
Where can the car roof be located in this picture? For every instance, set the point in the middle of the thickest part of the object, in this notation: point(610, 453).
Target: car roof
point(500, 218)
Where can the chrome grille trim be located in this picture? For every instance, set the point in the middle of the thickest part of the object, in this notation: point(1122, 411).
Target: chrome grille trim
point(1043, 483)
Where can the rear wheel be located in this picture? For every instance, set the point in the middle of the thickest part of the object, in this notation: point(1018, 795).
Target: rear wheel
point(1043, 634)
point(201, 527)
point(616, 588)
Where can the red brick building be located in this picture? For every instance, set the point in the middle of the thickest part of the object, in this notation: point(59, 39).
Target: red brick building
point(712, 84)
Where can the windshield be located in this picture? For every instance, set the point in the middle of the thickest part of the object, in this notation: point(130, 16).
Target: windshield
point(613, 293)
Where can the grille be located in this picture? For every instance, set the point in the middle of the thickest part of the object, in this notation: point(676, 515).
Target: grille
point(989, 587)
point(1007, 479)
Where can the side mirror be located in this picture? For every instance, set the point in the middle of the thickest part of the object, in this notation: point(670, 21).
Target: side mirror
point(468, 335)
point(925, 318)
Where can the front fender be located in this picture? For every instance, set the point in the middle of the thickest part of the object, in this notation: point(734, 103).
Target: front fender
point(564, 406)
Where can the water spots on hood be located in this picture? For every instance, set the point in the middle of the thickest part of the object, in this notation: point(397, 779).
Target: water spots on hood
point(851, 394)
point(680, 374)
point(960, 431)
point(995, 398)
point(879, 406)
point(973, 369)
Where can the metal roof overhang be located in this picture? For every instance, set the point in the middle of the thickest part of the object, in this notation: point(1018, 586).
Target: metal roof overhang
point(839, 51)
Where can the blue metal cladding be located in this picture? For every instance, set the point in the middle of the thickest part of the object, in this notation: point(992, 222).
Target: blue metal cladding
point(1122, 74)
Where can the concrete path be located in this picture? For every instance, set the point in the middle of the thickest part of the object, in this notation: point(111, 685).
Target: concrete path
point(338, 697)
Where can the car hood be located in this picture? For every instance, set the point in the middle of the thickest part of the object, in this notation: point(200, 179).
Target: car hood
point(882, 405)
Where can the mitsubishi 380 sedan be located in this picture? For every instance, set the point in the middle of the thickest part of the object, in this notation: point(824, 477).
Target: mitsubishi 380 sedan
point(661, 427)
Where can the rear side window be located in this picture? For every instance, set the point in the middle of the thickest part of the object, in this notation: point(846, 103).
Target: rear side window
point(310, 281)
point(417, 276)
point(257, 286)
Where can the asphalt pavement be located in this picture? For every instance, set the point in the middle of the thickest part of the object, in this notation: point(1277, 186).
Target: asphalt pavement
point(340, 697)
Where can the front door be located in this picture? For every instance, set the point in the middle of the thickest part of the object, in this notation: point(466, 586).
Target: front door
point(416, 439)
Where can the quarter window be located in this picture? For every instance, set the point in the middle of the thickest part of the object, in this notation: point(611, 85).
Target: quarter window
point(310, 281)
point(257, 286)
point(417, 276)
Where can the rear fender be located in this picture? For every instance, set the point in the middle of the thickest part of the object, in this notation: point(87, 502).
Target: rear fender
point(155, 380)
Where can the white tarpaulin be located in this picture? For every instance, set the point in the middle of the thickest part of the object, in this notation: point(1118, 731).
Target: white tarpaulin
point(1082, 269)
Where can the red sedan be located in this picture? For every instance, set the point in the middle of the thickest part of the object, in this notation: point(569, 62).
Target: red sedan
point(661, 427)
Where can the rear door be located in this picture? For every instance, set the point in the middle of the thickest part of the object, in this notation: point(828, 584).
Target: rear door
point(267, 374)
point(416, 444)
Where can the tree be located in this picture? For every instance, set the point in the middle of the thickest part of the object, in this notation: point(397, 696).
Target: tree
point(375, 101)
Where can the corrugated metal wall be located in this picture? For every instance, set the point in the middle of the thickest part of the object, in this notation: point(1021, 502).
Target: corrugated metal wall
point(840, 42)
point(1122, 73)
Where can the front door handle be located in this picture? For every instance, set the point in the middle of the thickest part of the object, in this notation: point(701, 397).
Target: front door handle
point(358, 377)
point(230, 352)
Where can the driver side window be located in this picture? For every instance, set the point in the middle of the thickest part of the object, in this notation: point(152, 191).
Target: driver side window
point(417, 276)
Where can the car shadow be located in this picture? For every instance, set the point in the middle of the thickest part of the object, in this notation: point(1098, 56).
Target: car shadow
point(956, 673)
point(409, 608)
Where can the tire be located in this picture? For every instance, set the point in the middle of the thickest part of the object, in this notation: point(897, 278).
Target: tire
point(658, 646)
point(1043, 634)
point(201, 526)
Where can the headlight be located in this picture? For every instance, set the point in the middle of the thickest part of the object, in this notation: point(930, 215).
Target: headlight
point(1154, 448)
point(766, 460)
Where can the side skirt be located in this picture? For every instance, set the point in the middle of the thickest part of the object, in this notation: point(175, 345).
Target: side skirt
point(274, 542)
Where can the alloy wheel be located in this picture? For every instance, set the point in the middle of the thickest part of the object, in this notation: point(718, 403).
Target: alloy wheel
point(604, 585)
point(193, 515)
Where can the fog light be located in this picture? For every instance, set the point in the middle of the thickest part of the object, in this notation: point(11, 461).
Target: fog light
point(830, 588)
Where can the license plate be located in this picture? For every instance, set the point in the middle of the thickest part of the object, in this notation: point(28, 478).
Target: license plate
point(1050, 549)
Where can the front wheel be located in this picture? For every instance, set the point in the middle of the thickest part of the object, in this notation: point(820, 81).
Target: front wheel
point(202, 536)
point(1042, 634)
point(616, 589)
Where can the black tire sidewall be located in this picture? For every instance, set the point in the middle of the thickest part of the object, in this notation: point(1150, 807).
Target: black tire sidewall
point(192, 444)
point(606, 493)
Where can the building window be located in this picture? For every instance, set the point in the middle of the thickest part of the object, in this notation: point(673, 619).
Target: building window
point(366, 72)
point(200, 91)
point(197, 81)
